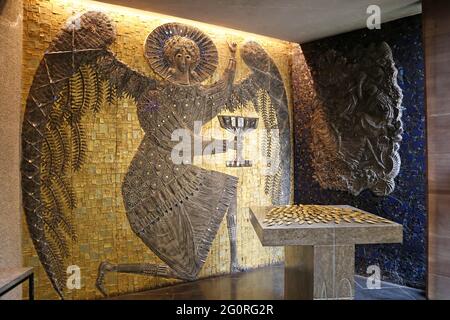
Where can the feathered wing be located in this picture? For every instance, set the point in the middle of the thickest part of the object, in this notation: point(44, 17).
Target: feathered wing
point(265, 88)
point(77, 75)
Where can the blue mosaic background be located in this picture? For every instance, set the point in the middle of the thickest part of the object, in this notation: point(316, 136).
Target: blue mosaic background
point(400, 263)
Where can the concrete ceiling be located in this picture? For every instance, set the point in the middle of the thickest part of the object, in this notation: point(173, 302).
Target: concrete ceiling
point(293, 20)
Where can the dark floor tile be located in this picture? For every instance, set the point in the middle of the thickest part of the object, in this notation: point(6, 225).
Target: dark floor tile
point(387, 294)
point(262, 283)
point(387, 291)
point(361, 282)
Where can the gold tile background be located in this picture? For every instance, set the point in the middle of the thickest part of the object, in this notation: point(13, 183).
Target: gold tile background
point(114, 134)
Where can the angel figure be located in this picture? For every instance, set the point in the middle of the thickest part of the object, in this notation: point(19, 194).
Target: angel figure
point(175, 209)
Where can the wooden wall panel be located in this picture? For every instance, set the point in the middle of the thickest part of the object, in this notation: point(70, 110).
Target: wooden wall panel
point(436, 15)
point(439, 173)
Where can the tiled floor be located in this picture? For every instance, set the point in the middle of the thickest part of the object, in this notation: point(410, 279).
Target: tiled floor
point(387, 291)
point(262, 283)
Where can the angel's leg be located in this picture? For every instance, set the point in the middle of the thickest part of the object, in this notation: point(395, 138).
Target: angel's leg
point(231, 226)
point(150, 269)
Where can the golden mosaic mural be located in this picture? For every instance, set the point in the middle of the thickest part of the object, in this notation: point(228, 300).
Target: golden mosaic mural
point(113, 136)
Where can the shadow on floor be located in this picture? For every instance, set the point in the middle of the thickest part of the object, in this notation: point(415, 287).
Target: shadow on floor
point(265, 283)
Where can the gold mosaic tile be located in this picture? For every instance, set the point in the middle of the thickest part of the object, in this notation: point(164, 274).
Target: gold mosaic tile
point(113, 135)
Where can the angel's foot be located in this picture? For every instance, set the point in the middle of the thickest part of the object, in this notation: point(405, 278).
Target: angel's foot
point(236, 268)
point(148, 269)
point(103, 268)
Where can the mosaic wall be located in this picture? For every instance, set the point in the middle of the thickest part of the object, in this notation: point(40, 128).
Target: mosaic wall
point(113, 134)
point(401, 263)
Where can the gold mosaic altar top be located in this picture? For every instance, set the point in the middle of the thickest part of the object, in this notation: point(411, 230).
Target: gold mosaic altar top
point(315, 214)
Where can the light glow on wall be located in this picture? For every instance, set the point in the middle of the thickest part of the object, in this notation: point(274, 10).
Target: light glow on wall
point(210, 28)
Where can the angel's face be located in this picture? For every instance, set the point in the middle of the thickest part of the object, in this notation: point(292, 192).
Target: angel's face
point(182, 60)
point(183, 55)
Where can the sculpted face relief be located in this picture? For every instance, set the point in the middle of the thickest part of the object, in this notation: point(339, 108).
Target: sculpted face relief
point(357, 123)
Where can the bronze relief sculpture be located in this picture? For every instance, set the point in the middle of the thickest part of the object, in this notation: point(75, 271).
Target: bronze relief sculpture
point(175, 209)
point(356, 122)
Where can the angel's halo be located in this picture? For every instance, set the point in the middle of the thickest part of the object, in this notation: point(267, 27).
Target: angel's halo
point(154, 50)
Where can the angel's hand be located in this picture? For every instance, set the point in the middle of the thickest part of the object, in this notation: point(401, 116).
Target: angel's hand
point(216, 146)
point(229, 145)
point(232, 47)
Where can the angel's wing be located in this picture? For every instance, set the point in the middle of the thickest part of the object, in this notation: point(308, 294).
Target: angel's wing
point(265, 88)
point(76, 75)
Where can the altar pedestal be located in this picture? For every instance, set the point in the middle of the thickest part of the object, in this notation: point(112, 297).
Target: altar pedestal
point(320, 257)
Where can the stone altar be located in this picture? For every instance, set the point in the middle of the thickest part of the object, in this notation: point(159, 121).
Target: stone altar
point(320, 248)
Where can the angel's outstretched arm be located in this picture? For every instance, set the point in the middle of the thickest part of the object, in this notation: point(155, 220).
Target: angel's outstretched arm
point(75, 75)
point(127, 81)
